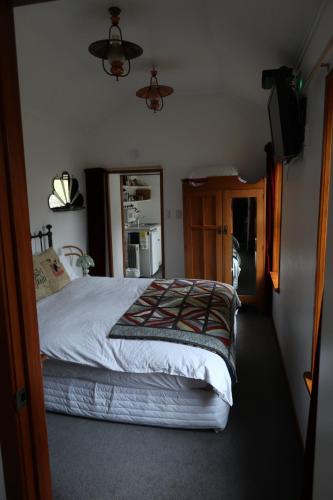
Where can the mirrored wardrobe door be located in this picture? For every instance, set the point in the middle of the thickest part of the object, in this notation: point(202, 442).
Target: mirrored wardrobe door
point(243, 243)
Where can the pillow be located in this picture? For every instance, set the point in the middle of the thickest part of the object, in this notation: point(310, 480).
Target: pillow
point(42, 284)
point(67, 266)
point(54, 270)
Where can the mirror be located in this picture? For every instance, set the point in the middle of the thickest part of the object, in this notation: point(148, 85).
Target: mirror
point(244, 220)
point(136, 224)
point(65, 194)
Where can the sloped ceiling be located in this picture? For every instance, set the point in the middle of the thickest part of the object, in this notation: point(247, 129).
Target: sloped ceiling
point(200, 47)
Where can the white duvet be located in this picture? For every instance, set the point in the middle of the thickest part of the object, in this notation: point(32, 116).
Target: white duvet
point(75, 322)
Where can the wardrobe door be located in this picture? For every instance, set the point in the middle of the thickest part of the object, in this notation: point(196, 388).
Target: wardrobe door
point(203, 234)
point(244, 242)
point(224, 232)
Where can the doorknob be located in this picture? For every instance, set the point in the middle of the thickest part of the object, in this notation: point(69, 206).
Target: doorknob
point(222, 229)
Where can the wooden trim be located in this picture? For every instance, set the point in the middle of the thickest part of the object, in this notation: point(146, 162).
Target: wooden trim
point(248, 299)
point(261, 236)
point(121, 184)
point(108, 225)
point(310, 443)
point(275, 280)
point(141, 171)
point(218, 183)
point(227, 197)
point(162, 220)
point(308, 381)
point(24, 443)
point(278, 183)
point(323, 213)
point(134, 170)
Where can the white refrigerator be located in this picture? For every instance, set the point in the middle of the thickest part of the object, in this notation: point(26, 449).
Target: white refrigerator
point(151, 257)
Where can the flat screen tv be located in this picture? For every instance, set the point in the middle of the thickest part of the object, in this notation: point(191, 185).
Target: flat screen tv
point(286, 121)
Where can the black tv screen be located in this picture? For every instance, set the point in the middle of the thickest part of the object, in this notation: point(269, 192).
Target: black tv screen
point(285, 120)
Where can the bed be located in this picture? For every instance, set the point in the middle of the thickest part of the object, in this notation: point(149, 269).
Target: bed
point(98, 366)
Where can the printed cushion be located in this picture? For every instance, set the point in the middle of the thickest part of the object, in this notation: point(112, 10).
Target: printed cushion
point(53, 269)
point(42, 284)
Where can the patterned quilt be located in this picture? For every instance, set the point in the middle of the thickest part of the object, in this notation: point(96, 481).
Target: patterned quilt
point(193, 312)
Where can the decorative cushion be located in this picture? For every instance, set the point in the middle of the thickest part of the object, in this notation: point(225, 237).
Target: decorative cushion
point(42, 284)
point(53, 269)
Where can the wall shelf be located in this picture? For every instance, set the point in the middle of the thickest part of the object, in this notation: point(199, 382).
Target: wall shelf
point(134, 188)
point(135, 201)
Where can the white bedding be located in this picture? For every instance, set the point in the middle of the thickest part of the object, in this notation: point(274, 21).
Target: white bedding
point(74, 324)
point(190, 409)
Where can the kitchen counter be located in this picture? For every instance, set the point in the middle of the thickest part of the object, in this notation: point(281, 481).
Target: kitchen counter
point(149, 226)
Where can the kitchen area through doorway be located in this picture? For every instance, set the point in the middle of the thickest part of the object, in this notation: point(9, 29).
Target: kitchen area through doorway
point(136, 215)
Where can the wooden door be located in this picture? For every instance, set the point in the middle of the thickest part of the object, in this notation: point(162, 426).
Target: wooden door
point(23, 436)
point(203, 234)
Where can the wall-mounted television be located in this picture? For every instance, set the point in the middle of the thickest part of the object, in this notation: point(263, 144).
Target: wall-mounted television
point(286, 116)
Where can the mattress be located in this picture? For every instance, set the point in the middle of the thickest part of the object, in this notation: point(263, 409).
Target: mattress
point(146, 399)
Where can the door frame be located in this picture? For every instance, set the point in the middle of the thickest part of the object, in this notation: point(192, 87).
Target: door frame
point(134, 171)
point(24, 443)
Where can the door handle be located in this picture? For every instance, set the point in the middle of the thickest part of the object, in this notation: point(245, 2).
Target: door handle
point(222, 229)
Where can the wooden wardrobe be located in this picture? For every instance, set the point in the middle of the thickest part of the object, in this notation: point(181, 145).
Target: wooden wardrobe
point(216, 210)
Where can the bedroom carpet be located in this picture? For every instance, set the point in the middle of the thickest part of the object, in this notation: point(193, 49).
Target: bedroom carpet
point(257, 457)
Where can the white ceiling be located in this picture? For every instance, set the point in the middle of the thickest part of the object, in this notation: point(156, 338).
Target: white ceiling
point(199, 47)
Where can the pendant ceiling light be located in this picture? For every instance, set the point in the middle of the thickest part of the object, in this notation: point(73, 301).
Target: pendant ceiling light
point(115, 50)
point(154, 93)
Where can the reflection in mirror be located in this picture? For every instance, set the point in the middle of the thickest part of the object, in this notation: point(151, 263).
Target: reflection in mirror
point(244, 238)
point(65, 194)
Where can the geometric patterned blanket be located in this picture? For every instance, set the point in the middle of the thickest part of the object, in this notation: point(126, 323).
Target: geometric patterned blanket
point(193, 312)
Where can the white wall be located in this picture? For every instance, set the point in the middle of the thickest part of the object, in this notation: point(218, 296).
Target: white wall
point(293, 306)
point(50, 148)
point(191, 131)
point(75, 117)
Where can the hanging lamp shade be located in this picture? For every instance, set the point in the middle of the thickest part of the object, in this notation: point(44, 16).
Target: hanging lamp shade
point(114, 51)
point(155, 93)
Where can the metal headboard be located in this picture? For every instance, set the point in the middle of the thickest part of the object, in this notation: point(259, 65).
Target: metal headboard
point(43, 237)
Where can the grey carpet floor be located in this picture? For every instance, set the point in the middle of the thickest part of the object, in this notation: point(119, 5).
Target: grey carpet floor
point(257, 457)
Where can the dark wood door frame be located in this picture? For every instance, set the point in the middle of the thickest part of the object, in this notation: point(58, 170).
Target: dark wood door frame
point(23, 437)
point(135, 171)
